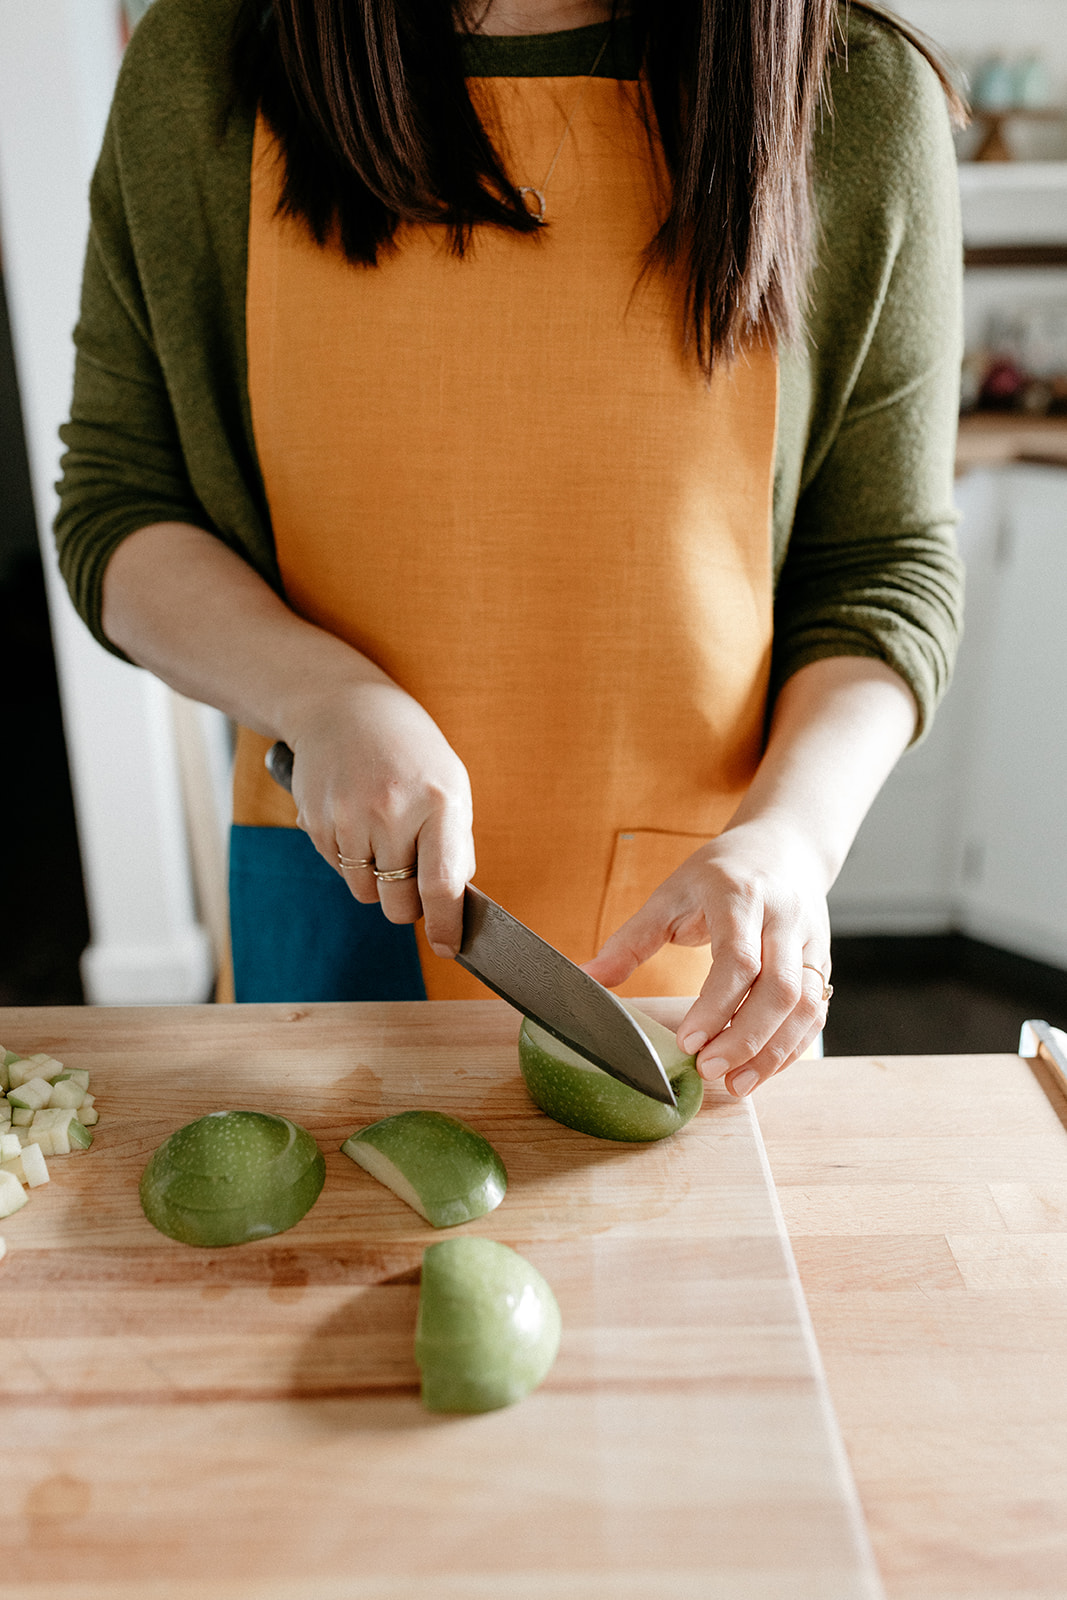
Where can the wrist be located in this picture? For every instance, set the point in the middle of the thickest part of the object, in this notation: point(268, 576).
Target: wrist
point(775, 834)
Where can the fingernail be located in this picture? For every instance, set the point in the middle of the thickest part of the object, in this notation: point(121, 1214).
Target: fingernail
point(744, 1082)
point(712, 1067)
point(695, 1042)
point(446, 950)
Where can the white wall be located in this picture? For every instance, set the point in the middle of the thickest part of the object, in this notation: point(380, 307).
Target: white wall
point(58, 60)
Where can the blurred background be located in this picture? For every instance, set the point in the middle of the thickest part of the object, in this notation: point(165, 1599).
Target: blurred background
point(950, 918)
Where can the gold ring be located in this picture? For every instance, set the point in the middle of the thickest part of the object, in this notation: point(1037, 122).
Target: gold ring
point(827, 988)
point(350, 864)
point(397, 875)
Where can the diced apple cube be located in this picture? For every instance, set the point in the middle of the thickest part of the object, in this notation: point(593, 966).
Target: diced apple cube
point(38, 1066)
point(67, 1094)
point(47, 1066)
point(42, 1137)
point(88, 1116)
point(68, 1134)
point(14, 1164)
point(10, 1146)
point(34, 1165)
point(12, 1195)
point(77, 1075)
point(30, 1096)
point(21, 1118)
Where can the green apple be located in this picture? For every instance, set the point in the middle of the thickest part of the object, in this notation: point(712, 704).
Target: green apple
point(442, 1168)
point(12, 1195)
point(487, 1329)
point(581, 1095)
point(232, 1176)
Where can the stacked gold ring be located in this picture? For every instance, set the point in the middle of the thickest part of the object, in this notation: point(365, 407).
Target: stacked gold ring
point(397, 875)
point(350, 864)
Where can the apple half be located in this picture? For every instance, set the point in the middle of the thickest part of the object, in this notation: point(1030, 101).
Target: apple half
point(438, 1165)
point(581, 1095)
point(488, 1326)
point(232, 1176)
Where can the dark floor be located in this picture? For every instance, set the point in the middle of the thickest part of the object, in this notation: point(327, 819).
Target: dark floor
point(936, 996)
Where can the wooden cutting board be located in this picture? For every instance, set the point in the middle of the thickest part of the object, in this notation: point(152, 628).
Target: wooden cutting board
point(244, 1424)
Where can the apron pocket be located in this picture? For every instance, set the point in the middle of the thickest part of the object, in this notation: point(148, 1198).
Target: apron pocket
point(641, 859)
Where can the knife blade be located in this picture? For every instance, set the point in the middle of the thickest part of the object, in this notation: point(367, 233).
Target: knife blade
point(538, 980)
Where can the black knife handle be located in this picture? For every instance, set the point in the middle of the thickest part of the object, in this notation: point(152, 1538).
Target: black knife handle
point(279, 763)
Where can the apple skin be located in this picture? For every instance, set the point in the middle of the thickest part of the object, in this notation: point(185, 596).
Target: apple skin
point(230, 1177)
point(488, 1326)
point(435, 1163)
point(582, 1096)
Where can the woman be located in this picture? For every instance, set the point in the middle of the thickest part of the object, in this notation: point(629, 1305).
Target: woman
point(541, 419)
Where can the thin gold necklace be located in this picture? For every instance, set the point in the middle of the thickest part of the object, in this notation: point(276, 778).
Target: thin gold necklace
point(533, 198)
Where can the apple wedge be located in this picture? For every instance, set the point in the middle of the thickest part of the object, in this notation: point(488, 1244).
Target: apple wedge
point(230, 1177)
point(574, 1091)
point(487, 1329)
point(438, 1165)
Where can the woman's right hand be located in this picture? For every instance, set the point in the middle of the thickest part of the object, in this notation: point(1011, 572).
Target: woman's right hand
point(375, 779)
point(373, 775)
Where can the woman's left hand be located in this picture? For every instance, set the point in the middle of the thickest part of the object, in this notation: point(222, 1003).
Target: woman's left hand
point(757, 896)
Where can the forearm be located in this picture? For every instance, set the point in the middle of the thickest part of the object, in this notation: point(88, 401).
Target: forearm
point(839, 727)
point(185, 606)
point(374, 779)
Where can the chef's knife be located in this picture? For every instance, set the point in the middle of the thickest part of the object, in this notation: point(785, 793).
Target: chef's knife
point(542, 983)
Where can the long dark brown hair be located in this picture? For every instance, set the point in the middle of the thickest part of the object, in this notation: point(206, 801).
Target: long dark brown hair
point(369, 102)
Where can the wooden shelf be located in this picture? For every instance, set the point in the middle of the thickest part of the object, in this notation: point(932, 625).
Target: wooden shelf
point(994, 438)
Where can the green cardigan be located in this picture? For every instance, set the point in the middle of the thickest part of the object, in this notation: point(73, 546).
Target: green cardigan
point(864, 556)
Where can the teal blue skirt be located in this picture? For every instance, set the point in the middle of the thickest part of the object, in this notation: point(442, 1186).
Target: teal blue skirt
point(297, 933)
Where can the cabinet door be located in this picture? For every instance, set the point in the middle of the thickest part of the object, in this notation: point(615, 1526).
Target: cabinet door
point(901, 876)
point(1013, 808)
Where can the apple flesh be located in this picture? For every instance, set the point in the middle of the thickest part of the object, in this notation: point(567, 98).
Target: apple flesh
point(488, 1326)
point(576, 1092)
point(438, 1165)
point(230, 1177)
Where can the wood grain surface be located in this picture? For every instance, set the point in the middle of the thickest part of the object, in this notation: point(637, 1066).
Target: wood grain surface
point(245, 1423)
point(926, 1201)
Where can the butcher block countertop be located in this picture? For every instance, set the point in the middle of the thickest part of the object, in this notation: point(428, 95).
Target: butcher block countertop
point(926, 1202)
point(245, 1424)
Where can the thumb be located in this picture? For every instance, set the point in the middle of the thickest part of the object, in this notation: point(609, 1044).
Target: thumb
point(638, 939)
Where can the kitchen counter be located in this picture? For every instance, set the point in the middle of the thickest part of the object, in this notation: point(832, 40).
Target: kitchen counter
point(995, 438)
point(245, 1423)
point(926, 1202)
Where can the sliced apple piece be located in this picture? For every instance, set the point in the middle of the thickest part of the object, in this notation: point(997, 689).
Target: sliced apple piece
point(574, 1091)
point(488, 1326)
point(436, 1164)
point(232, 1176)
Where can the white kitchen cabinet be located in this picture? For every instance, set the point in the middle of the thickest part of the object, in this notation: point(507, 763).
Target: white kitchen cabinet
point(1013, 813)
point(970, 833)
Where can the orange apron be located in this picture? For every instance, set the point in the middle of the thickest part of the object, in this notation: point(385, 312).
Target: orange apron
point(503, 479)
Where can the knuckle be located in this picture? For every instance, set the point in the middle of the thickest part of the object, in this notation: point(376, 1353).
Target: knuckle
point(784, 990)
point(745, 964)
point(775, 1057)
point(810, 1010)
